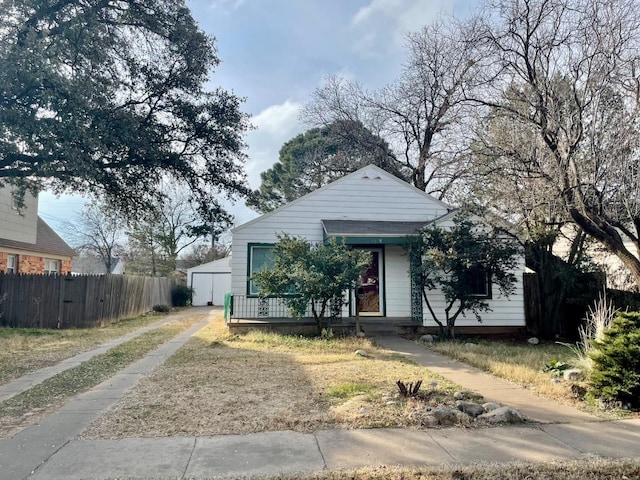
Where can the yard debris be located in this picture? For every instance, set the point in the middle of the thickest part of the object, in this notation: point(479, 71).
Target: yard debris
point(362, 353)
point(533, 341)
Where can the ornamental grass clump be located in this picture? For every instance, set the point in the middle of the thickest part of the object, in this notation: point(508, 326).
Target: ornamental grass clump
point(599, 318)
point(615, 378)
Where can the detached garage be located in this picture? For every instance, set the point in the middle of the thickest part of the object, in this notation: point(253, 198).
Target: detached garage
point(210, 282)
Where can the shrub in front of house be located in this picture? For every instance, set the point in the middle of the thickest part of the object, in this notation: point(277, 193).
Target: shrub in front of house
point(616, 362)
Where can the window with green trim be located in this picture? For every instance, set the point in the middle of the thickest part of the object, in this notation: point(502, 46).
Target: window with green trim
point(260, 257)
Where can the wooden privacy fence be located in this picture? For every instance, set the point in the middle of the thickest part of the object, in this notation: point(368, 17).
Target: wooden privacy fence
point(53, 301)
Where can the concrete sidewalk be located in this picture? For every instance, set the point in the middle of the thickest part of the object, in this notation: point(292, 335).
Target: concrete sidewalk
point(53, 451)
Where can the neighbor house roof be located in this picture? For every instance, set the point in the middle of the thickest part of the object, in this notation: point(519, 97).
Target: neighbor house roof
point(90, 265)
point(47, 242)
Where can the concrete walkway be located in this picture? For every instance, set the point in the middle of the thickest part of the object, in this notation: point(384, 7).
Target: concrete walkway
point(53, 451)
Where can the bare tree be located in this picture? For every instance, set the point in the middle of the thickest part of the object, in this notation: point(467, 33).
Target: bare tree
point(566, 71)
point(420, 114)
point(157, 238)
point(97, 230)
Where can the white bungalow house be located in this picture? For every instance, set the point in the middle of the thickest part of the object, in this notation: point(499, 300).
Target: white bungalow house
point(375, 211)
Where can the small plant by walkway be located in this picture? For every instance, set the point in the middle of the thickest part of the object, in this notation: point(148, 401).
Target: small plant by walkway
point(26, 408)
point(222, 384)
point(24, 350)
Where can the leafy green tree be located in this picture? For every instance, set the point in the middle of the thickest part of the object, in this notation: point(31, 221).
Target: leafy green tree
point(310, 274)
point(108, 97)
point(463, 262)
point(318, 157)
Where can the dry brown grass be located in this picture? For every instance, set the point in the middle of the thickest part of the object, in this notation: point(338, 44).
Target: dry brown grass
point(583, 469)
point(222, 384)
point(24, 350)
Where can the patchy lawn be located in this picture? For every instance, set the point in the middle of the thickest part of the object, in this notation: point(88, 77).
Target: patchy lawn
point(223, 384)
point(30, 406)
point(24, 350)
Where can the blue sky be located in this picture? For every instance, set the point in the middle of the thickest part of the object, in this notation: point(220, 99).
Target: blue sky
point(276, 52)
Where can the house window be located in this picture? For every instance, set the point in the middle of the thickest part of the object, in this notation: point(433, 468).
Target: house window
point(478, 282)
point(260, 256)
point(12, 264)
point(51, 267)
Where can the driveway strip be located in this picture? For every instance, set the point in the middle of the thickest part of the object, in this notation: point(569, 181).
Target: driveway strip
point(30, 380)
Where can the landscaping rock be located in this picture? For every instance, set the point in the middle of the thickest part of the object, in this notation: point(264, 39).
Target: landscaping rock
point(470, 346)
point(429, 421)
point(444, 415)
point(502, 415)
point(361, 334)
point(533, 341)
point(490, 406)
point(391, 402)
point(460, 395)
point(555, 380)
point(362, 353)
point(572, 374)
point(365, 410)
point(426, 338)
point(470, 408)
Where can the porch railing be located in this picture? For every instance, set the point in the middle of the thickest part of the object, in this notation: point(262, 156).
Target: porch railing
point(251, 307)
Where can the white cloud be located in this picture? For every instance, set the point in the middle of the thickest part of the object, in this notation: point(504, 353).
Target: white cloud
point(382, 24)
point(275, 125)
point(277, 118)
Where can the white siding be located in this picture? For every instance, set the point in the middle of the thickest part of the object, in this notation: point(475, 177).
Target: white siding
point(504, 311)
point(14, 225)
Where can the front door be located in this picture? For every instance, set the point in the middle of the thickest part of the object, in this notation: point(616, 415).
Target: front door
point(372, 287)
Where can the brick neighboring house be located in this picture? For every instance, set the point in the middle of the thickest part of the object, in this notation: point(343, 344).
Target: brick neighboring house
point(27, 243)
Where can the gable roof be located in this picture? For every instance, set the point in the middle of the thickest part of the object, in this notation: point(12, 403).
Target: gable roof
point(47, 242)
point(369, 169)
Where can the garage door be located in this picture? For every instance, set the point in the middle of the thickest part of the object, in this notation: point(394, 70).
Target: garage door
point(210, 287)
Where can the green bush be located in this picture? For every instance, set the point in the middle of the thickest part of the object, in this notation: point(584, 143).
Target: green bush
point(182, 296)
point(161, 308)
point(616, 362)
